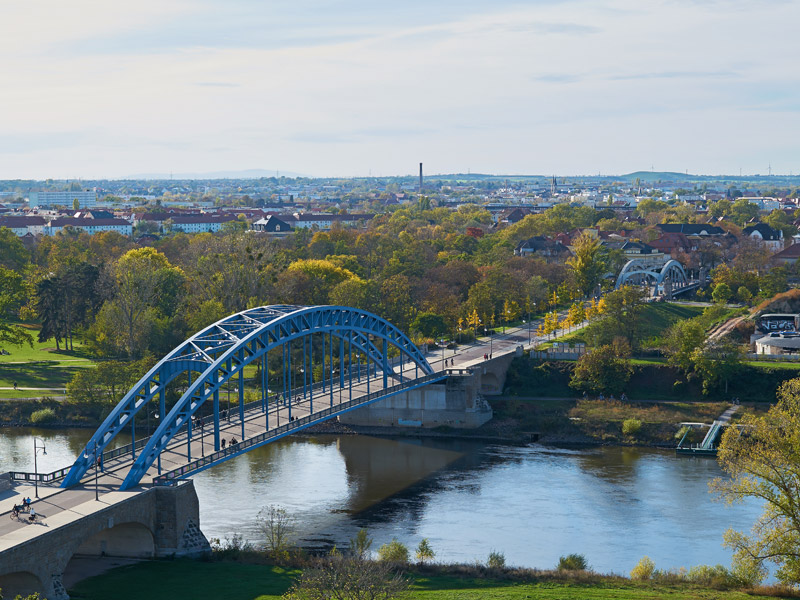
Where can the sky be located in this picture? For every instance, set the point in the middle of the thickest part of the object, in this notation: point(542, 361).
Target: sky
point(97, 89)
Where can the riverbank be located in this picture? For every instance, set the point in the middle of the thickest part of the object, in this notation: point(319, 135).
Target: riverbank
point(228, 580)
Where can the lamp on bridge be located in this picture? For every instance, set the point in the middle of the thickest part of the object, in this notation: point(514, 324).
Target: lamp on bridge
point(36, 448)
point(96, 461)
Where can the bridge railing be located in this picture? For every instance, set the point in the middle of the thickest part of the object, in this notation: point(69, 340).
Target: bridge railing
point(40, 477)
point(171, 477)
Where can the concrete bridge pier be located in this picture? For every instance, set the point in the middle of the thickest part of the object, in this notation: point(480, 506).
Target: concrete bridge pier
point(456, 402)
point(157, 522)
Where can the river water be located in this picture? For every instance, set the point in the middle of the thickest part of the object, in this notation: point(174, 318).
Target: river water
point(532, 503)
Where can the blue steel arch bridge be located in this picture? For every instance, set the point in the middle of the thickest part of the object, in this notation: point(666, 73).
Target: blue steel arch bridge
point(329, 360)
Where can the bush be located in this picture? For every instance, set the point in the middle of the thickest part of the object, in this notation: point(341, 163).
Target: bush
point(573, 562)
point(631, 426)
point(496, 560)
point(644, 569)
point(393, 552)
point(717, 577)
point(43, 416)
point(339, 577)
point(687, 431)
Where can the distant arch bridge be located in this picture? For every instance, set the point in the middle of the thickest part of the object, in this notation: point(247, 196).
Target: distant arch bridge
point(639, 272)
point(320, 349)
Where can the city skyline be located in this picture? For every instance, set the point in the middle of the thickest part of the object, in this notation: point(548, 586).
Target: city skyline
point(572, 87)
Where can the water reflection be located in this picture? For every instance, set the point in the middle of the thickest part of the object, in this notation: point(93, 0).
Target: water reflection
point(533, 503)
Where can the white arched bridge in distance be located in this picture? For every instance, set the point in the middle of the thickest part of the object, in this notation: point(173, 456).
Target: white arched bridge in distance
point(669, 278)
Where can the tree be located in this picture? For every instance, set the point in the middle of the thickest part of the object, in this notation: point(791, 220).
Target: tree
point(424, 551)
point(716, 363)
point(620, 315)
point(763, 462)
point(360, 545)
point(429, 324)
point(13, 254)
point(680, 342)
point(340, 578)
point(12, 297)
point(601, 371)
point(393, 552)
point(76, 204)
point(145, 281)
point(722, 293)
point(279, 529)
point(588, 263)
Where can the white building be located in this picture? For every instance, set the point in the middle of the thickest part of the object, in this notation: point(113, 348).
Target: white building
point(90, 226)
point(24, 225)
point(85, 198)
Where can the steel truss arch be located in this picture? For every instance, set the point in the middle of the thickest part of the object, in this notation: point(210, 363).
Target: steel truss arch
point(221, 351)
point(637, 268)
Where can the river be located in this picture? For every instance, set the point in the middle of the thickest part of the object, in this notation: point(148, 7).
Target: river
point(532, 503)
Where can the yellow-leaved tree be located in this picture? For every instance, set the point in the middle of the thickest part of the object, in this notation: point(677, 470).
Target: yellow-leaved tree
point(762, 457)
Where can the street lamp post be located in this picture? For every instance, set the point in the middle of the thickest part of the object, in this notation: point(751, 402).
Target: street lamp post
point(96, 462)
point(36, 448)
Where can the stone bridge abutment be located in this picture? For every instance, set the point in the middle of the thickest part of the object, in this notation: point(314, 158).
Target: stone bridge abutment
point(156, 522)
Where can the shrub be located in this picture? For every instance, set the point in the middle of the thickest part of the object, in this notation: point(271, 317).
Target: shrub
point(393, 552)
point(573, 562)
point(643, 570)
point(687, 431)
point(631, 426)
point(717, 577)
point(496, 560)
point(43, 416)
point(339, 577)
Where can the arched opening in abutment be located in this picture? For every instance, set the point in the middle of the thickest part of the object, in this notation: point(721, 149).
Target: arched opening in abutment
point(126, 540)
point(21, 583)
point(109, 548)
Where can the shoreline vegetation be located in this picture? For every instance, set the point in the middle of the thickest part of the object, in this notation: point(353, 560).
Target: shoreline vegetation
point(233, 573)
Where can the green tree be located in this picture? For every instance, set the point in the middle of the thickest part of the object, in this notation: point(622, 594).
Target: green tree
point(763, 462)
point(588, 263)
point(394, 552)
point(716, 363)
point(360, 545)
point(620, 316)
point(424, 551)
point(429, 324)
point(680, 342)
point(145, 281)
point(722, 293)
point(13, 254)
point(13, 295)
point(601, 371)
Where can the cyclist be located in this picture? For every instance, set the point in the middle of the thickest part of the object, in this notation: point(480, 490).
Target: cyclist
point(32, 518)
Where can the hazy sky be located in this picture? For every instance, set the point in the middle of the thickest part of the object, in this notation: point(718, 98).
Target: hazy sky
point(92, 88)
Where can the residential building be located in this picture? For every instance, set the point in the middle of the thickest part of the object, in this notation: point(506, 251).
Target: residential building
point(24, 225)
point(85, 198)
point(543, 247)
point(90, 226)
point(766, 235)
point(271, 224)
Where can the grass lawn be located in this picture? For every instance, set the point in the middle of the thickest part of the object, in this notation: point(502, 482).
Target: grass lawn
point(40, 366)
point(769, 364)
point(167, 580)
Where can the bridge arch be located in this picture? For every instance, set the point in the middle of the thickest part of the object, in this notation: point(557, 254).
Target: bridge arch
point(221, 352)
point(637, 271)
point(128, 540)
point(21, 583)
